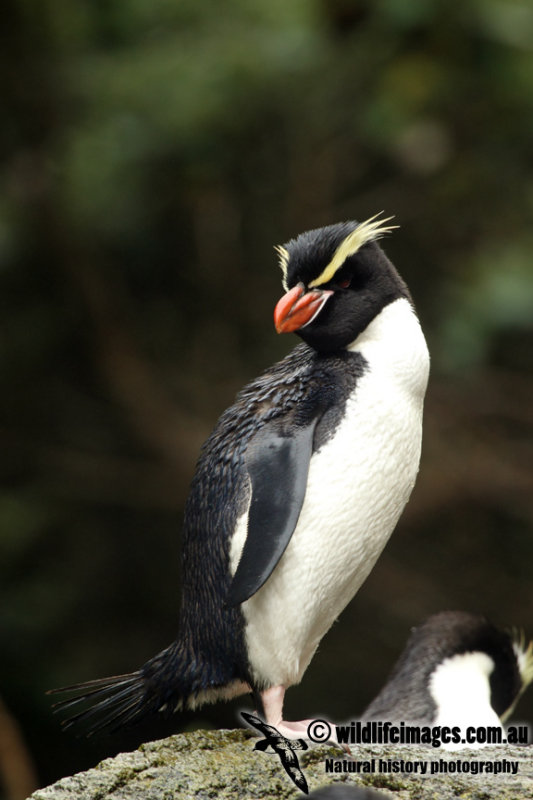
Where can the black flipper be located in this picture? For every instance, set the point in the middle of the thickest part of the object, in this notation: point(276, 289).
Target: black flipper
point(278, 467)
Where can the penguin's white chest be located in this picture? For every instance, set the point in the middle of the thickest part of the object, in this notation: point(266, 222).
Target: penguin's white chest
point(460, 688)
point(358, 484)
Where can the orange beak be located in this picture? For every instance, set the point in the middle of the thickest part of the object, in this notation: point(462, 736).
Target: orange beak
point(298, 308)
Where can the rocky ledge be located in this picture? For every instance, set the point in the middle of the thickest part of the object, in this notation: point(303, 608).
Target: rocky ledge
point(224, 764)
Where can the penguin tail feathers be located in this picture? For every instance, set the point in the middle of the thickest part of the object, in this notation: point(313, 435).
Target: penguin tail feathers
point(104, 703)
point(171, 681)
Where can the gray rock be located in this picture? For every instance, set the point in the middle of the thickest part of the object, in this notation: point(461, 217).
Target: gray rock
point(223, 764)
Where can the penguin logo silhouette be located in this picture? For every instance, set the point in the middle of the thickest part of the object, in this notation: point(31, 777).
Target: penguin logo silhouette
point(284, 748)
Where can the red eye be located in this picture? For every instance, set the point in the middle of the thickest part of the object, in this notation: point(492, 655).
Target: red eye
point(345, 283)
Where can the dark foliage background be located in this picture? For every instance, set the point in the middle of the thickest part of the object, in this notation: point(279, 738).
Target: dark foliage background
point(152, 154)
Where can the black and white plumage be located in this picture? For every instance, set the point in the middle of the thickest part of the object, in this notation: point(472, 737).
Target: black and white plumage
point(456, 669)
point(296, 490)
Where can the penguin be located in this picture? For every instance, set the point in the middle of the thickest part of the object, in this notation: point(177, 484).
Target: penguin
point(295, 493)
point(457, 669)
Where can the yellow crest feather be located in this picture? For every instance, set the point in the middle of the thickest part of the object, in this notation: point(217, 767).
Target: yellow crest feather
point(367, 231)
point(524, 657)
point(283, 254)
point(524, 654)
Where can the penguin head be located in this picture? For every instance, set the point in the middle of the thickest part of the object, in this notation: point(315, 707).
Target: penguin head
point(337, 280)
point(480, 658)
point(456, 665)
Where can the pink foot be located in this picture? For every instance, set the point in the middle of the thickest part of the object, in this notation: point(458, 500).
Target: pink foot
point(293, 730)
point(273, 707)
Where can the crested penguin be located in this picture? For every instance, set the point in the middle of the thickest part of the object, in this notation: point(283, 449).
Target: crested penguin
point(457, 669)
point(295, 493)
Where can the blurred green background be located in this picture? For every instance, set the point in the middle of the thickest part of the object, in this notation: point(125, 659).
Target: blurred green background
point(152, 155)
